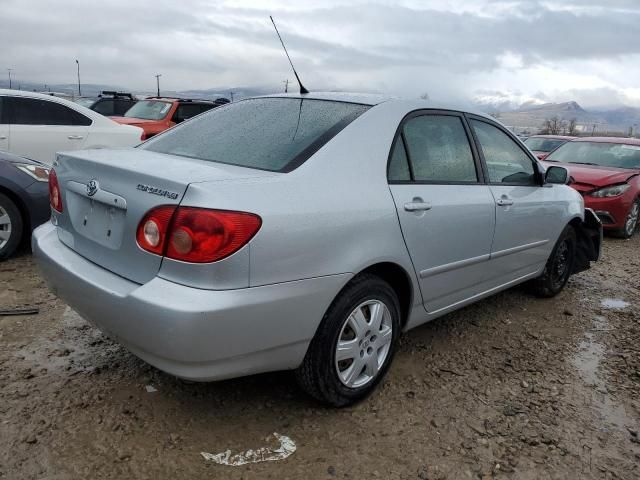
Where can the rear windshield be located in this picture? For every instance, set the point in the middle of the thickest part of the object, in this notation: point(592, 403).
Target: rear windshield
point(275, 134)
point(598, 153)
point(546, 145)
point(149, 110)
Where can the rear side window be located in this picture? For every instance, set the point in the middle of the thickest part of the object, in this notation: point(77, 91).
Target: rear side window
point(506, 161)
point(439, 149)
point(3, 116)
point(34, 111)
point(399, 163)
point(275, 134)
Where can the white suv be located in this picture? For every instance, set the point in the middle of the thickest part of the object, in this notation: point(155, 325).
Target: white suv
point(37, 126)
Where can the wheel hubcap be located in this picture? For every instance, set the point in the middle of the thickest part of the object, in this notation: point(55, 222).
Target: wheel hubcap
point(5, 227)
point(632, 219)
point(561, 263)
point(364, 343)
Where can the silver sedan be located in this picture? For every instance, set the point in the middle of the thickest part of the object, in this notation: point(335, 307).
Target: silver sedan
point(305, 232)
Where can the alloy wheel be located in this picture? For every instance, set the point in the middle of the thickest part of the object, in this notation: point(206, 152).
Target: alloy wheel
point(363, 344)
point(632, 219)
point(5, 227)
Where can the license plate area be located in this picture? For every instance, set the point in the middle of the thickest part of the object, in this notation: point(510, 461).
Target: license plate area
point(99, 222)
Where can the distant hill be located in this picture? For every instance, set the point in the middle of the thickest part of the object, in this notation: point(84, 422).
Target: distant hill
point(530, 118)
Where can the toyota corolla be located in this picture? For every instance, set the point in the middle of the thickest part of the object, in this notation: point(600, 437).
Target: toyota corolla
point(305, 232)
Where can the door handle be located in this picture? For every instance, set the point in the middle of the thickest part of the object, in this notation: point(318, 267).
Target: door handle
point(504, 201)
point(417, 206)
point(75, 137)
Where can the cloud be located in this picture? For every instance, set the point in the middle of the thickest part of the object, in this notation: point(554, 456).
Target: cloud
point(406, 47)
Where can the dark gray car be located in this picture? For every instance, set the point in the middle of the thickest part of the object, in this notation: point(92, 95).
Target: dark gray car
point(24, 200)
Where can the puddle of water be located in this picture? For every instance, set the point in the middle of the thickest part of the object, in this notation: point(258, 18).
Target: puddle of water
point(587, 361)
point(614, 303)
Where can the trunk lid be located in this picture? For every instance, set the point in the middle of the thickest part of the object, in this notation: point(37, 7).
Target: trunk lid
point(105, 194)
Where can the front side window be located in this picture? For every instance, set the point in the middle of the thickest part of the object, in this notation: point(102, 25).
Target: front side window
point(149, 110)
point(185, 111)
point(439, 150)
point(506, 161)
point(276, 134)
point(34, 111)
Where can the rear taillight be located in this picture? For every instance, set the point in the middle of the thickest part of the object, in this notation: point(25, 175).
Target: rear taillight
point(196, 235)
point(152, 230)
point(55, 199)
point(143, 137)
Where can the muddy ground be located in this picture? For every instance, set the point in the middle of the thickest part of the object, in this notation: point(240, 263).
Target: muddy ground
point(512, 387)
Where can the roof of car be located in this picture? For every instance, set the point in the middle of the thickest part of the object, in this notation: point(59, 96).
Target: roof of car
point(373, 99)
point(620, 140)
point(557, 137)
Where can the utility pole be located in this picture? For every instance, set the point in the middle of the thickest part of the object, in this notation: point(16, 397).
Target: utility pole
point(286, 85)
point(9, 70)
point(231, 95)
point(593, 130)
point(158, 82)
point(79, 91)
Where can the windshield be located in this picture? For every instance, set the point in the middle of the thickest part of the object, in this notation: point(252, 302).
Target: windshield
point(545, 145)
point(276, 134)
point(149, 110)
point(595, 153)
point(85, 102)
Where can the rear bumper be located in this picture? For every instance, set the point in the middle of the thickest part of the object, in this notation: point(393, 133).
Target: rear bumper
point(191, 333)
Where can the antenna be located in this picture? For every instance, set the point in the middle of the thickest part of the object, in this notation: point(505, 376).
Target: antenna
point(302, 89)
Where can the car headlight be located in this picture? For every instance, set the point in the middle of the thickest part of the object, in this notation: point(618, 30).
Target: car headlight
point(613, 191)
point(37, 172)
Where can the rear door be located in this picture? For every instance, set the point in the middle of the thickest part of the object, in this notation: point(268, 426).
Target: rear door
point(40, 128)
point(528, 217)
point(4, 127)
point(446, 211)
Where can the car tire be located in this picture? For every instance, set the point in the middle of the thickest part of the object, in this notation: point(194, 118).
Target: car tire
point(631, 222)
point(367, 350)
point(559, 266)
point(11, 227)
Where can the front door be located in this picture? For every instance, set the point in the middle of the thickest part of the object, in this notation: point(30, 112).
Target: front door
point(528, 216)
point(446, 213)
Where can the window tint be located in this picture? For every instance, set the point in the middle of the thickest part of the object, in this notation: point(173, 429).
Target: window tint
point(276, 134)
point(3, 114)
point(121, 106)
point(206, 106)
point(186, 111)
point(506, 161)
point(439, 149)
point(399, 164)
point(104, 107)
point(33, 111)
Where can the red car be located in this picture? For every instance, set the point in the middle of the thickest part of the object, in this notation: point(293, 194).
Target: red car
point(606, 171)
point(543, 145)
point(156, 114)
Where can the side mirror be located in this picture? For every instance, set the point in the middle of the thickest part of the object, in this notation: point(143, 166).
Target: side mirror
point(557, 175)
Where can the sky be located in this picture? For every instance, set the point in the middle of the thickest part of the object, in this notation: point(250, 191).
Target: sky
point(546, 50)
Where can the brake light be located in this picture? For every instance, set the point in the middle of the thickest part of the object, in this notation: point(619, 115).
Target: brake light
point(143, 136)
point(196, 235)
point(55, 200)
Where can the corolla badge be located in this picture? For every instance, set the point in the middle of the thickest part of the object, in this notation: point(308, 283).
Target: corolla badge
point(92, 187)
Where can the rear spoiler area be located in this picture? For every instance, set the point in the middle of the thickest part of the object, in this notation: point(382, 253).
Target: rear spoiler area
point(589, 241)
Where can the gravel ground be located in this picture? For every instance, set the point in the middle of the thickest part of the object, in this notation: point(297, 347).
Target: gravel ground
point(511, 387)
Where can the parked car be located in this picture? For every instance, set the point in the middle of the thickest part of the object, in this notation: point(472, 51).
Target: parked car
point(606, 171)
point(156, 114)
point(543, 145)
point(37, 126)
point(305, 232)
point(24, 200)
point(109, 103)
